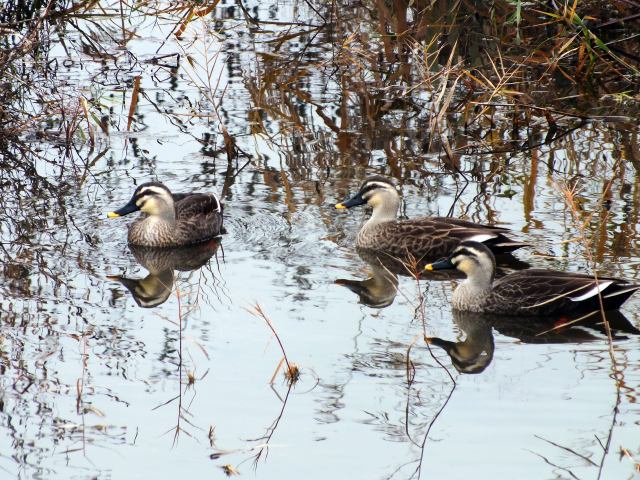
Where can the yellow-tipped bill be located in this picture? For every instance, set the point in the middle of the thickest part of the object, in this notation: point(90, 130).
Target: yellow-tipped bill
point(112, 215)
point(444, 264)
point(340, 206)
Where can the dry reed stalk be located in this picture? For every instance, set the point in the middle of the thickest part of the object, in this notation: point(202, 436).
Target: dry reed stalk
point(134, 102)
point(569, 196)
point(292, 372)
point(634, 462)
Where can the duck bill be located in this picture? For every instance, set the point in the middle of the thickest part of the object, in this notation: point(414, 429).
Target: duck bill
point(128, 208)
point(444, 344)
point(445, 264)
point(352, 202)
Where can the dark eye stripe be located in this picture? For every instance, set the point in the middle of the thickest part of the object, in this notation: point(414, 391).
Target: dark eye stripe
point(142, 198)
point(148, 192)
point(374, 186)
point(466, 252)
point(370, 187)
point(145, 195)
point(461, 253)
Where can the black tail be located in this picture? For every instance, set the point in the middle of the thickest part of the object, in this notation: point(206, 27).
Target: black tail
point(503, 244)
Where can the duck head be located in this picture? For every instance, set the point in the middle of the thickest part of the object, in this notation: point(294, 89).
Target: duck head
point(152, 198)
point(379, 193)
point(474, 259)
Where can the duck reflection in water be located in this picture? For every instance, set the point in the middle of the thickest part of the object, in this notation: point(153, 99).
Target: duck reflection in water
point(379, 290)
point(155, 288)
point(475, 352)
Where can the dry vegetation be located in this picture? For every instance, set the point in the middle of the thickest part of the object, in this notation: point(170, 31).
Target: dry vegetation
point(478, 78)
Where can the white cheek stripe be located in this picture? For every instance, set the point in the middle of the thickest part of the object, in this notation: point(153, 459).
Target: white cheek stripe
point(594, 291)
point(481, 237)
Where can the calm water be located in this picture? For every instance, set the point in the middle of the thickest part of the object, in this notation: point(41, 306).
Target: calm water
point(92, 384)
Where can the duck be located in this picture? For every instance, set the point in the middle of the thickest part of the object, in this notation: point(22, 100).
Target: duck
point(532, 292)
point(422, 238)
point(171, 219)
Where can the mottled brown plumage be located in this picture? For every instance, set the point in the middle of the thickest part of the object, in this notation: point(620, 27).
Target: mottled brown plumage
point(422, 238)
point(171, 220)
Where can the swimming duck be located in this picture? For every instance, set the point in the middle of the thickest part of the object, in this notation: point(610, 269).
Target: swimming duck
point(527, 292)
point(171, 220)
point(423, 238)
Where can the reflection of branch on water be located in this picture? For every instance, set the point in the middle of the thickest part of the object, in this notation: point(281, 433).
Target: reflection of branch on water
point(411, 371)
point(549, 462)
point(263, 446)
point(217, 287)
point(190, 375)
point(605, 449)
point(292, 374)
point(263, 442)
point(410, 378)
point(178, 429)
point(265, 439)
point(586, 459)
point(553, 135)
point(616, 409)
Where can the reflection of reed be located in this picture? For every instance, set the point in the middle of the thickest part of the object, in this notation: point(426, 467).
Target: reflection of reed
point(262, 446)
point(266, 438)
point(291, 374)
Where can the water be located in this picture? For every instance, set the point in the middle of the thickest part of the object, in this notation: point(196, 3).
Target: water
point(92, 384)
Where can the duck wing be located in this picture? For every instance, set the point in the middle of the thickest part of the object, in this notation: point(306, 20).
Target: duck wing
point(198, 218)
point(493, 237)
point(434, 237)
point(181, 196)
point(547, 292)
